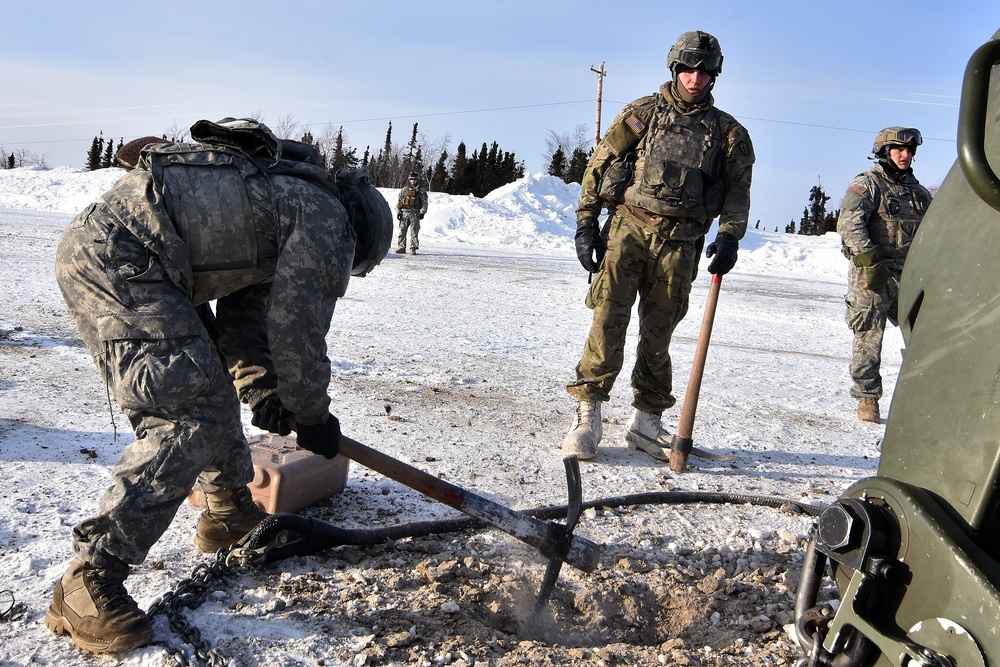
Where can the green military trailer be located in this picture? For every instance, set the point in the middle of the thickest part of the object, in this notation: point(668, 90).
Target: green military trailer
point(915, 550)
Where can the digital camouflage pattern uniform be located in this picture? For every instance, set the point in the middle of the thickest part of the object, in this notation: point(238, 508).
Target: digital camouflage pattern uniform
point(693, 162)
point(883, 211)
point(195, 223)
point(411, 207)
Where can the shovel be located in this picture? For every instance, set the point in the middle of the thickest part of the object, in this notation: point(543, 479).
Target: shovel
point(682, 445)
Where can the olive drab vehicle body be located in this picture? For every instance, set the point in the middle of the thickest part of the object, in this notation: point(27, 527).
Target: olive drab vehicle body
point(915, 550)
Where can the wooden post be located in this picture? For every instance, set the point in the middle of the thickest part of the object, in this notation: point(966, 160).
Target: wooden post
point(600, 93)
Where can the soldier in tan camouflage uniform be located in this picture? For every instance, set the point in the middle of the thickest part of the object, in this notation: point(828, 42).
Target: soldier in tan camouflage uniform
point(411, 206)
point(269, 240)
point(669, 164)
point(879, 216)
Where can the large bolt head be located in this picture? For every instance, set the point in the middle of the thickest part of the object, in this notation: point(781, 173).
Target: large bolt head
point(836, 528)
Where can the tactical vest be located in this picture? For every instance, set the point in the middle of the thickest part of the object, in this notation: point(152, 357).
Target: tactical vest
point(219, 203)
point(410, 198)
point(678, 168)
point(899, 209)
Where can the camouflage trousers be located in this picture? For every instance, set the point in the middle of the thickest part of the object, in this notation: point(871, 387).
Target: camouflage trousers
point(867, 314)
point(166, 375)
point(410, 221)
point(639, 262)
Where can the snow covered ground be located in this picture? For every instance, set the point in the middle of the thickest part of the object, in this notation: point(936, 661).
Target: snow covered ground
point(471, 343)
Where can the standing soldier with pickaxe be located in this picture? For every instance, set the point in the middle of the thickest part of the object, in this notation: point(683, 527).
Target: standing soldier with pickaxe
point(669, 164)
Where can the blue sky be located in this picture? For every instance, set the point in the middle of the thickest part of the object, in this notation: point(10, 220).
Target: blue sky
point(813, 82)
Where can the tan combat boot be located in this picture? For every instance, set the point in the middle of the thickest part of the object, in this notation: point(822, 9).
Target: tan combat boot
point(231, 514)
point(585, 432)
point(413, 251)
point(644, 432)
point(91, 605)
point(868, 410)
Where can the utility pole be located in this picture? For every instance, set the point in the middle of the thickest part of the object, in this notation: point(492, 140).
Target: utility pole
point(600, 88)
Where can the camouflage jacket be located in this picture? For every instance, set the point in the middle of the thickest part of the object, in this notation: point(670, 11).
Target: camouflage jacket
point(879, 210)
point(721, 157)
point(276, 267)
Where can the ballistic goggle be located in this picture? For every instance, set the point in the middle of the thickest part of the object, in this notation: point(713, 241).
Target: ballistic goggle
point(905, 136)
point(703, 59)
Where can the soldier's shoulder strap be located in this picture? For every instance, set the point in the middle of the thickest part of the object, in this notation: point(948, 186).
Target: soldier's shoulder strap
point(631, 125)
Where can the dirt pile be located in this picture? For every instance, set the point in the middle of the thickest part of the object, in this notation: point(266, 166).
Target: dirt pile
point(468, 600)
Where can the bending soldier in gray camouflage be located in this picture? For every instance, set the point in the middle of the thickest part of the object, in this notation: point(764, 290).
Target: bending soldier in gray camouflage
point(669, 164)
point(879, 216)
point(228, 219)
point(410, 210)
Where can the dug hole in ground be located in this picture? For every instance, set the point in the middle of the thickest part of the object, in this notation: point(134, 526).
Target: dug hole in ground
point(454, 361)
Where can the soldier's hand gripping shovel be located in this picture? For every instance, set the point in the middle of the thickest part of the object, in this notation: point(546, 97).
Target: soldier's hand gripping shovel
point(682, 445)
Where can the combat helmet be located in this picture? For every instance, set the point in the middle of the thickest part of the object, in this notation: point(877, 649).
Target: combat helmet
point(896, 136)
point(696, 50)
point(370, 217)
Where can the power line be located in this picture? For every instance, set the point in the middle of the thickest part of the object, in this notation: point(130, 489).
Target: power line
point(449, 113)
point(438, 114)
point(827, 127)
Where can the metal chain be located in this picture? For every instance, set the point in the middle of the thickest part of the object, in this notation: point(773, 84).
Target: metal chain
point(190, 593)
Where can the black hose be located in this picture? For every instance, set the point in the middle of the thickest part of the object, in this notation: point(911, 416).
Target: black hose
point(313, 535)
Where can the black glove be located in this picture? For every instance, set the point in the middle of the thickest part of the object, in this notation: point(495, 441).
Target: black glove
point(589, 244)
point(399, 215)
point(874, 272)
point(322, 438)
point(421, 216)
point(269, 414)
point(724, 248)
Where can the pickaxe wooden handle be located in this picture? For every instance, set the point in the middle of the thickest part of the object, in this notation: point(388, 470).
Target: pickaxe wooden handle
point(682, 444)
point(547, 537)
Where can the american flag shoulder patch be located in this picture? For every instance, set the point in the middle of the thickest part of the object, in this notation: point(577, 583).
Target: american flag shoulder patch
point(858, 187)
point(635, 124)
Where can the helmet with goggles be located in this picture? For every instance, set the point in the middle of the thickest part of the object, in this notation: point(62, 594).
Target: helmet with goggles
point(696, 50)
point(896, 136)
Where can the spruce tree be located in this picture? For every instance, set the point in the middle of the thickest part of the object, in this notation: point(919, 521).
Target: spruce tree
point(577, 166)
point(109, 151)
point(557, 167)
point(460, 184)
point(94, 154)
point(418, 161)
point(439, 177)
point(337, 159)
point(815, 220)
point(412, 160)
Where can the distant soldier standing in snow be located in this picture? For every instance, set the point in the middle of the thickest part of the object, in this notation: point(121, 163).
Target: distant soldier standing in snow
point(669, 164)
point(410, 210)
point(246, 220)
point(879, 216)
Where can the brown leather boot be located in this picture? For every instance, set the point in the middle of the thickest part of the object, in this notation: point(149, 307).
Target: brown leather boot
point(868, 410)
point(91, 605)
point(231, 514)
point(400, 251)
